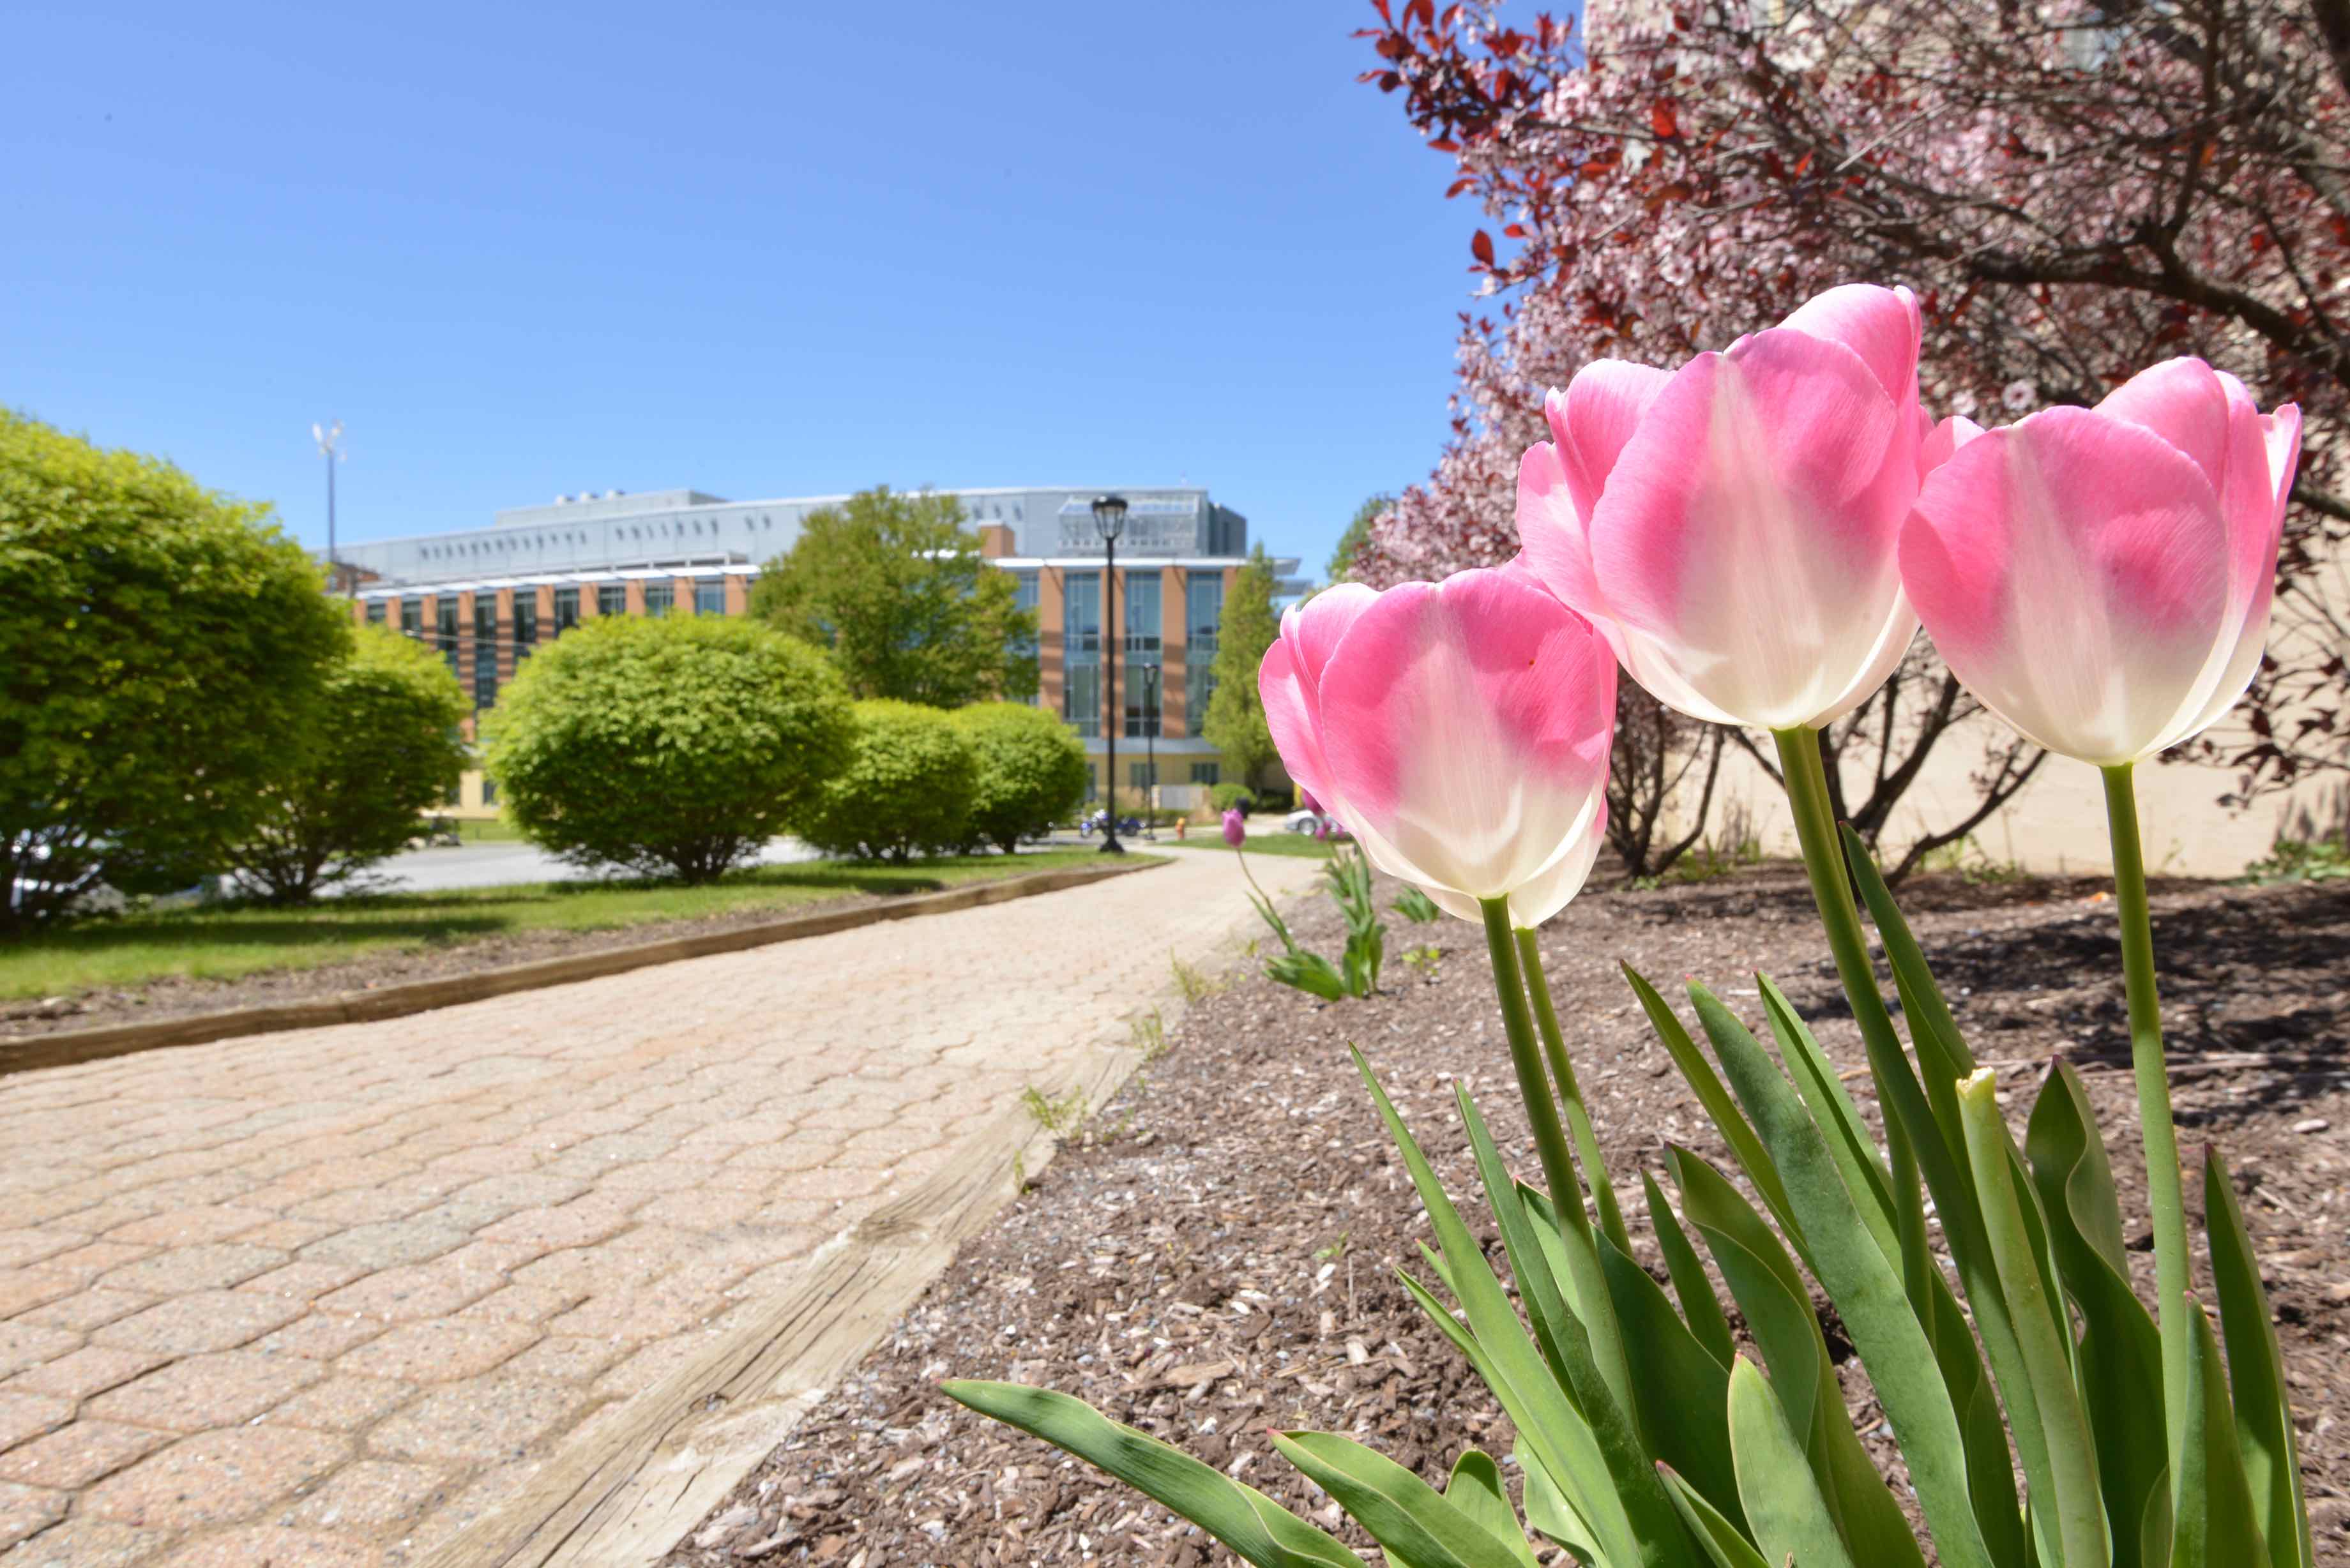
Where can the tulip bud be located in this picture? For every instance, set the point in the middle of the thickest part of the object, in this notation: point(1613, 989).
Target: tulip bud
point(1235, 827)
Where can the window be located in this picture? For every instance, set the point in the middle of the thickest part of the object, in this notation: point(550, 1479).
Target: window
point(489, 791)
point(375, 612)
point(1143, 776)
point(1025, 588)
point(710, 596)
point(612, 598)
point(1081, 638)
point(1203, 610)
point(661, 597)
point(1204, 774)
point(1140, 688)
point(445, 615)
point(525, 625)
point(412, 617)
point(566, 609)
point(485, 650)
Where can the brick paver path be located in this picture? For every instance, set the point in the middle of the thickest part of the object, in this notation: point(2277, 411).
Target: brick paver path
point(324, 1297)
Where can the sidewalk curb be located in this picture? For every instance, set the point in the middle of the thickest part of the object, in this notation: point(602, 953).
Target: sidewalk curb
point(73, 1046)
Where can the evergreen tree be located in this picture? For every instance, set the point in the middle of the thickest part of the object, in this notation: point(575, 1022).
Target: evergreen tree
point(1235, 721)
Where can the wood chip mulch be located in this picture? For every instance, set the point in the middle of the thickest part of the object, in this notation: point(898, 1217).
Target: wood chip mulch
point(1216, 1253)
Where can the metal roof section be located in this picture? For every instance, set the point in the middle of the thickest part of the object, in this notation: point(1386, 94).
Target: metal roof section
point(612, 532)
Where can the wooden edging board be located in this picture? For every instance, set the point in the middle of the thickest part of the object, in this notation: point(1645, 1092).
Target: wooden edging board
point(70, 1047)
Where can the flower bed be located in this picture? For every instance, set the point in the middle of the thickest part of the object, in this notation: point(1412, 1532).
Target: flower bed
point(1248, 1160)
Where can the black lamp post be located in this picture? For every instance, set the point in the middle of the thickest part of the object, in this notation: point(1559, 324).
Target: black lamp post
point(1150, 749)
point(1109, 522)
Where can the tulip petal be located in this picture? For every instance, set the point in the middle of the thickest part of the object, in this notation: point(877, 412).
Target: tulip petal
point(1594, 416)
point(1291, 714)
point(1943, 440)
point(1466, 729)
point(1316, 624)
point(1749, 526)
point(1880, 325)
point(2073, 570)
point(2183, 401)
point(1553, 544)
point(2262, 455)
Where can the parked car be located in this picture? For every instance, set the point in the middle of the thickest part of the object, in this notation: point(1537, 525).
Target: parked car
point(1315, 824)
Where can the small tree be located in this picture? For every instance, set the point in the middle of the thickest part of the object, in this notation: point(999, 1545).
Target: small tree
point(1235, 720)
point(674, 746)
point(1357, 534)
point(382, 749)
point(1031, 771)
point(907, 789)
point(894, 587)
point(162, 646)
point(1657, 753)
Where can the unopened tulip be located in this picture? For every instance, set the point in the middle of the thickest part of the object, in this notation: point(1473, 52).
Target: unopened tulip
point(1732, 527)
point(1235, 827)
point(1460, 729)
point(2100, 578)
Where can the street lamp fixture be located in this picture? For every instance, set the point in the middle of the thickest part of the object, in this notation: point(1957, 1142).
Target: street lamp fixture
point(1150, 749)
point(1109, 522)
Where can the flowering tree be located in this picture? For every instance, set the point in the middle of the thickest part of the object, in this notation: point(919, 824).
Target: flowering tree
point(2072, 188)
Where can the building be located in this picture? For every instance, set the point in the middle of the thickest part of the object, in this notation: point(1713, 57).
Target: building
point(486, 597)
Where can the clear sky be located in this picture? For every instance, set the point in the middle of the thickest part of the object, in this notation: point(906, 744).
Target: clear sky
point(522, 249)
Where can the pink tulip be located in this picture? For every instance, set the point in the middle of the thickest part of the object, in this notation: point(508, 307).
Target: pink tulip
point(1235, 827)
point(1732, 527)
point(1460, 729)
point(2100, 578)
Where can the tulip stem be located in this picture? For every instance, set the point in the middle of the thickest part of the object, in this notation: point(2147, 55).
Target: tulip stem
point(1816, 829)
point(1526, 1056)
point(1578, 1115)
point(2172, 1272)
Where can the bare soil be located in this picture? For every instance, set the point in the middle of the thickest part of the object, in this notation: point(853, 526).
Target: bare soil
point(1215, 1254)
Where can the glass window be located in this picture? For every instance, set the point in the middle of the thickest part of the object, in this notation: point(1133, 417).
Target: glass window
point(566, 609)
point(1024, 590)
point(612, 598)
point(485, 618)
point(489, 791)
point(1203, 611)
point(375, 612)
point(1140, 687)
point(1204, 774)
point(1143, 776)
point(445, 615)
point(710, 596)
point(1081, 639)
point(661, 597)
point(411, 617)
point(525, 627)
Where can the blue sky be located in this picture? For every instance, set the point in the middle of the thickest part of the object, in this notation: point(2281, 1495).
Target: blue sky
point(762, 249)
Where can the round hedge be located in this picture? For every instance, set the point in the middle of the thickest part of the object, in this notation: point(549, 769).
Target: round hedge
point(1031, 771)
point(675, 746)
point(907, 788)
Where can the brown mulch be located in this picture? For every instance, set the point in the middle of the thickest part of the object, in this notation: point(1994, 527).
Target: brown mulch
point(177, 996)
point(1215, 1255)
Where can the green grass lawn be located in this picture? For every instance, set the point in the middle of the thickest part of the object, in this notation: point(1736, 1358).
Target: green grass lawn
point(1274, 843)
point(224, 943)
point(482, 830)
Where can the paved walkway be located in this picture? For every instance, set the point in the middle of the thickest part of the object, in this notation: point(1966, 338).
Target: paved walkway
point(324, 1297)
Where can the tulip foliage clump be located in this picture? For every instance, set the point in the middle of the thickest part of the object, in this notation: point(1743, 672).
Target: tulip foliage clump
point(1756, 537)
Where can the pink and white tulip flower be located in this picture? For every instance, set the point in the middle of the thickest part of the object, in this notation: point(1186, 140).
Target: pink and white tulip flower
point(1732, 527)
point(2101, 578)
point(1460, 729)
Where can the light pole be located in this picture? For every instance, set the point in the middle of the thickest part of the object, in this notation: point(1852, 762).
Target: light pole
point(330, 446)
point(1150, 749)
point(1109, 522)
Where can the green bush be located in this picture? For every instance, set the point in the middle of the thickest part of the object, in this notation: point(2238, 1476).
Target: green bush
point(907, 789)
point(1031, 771)
point(384, 751)
point(162, 645)
point(675, 746)
point(1223, 798)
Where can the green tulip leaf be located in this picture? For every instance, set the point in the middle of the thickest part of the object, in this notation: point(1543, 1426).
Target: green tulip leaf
point(2217, 1527)
point(2272, 1453)
point(1791, 1519)
point(1477, 1490)
point(1700, 1306)
point(1258, 1529)
point(1416, 1523)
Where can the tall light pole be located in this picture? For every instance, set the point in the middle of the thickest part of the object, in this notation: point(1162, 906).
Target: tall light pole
point(330, 446)
point(1109, 522)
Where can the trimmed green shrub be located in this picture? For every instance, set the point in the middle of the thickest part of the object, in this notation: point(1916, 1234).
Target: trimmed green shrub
point(907, 788)
point(385, 751)
point(1031, 771)
point(1223, 798)
point(672, 746)
point(162, 645)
